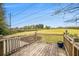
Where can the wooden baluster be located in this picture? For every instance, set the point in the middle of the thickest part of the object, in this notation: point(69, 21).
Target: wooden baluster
point(15, 43)
point(10, 45)
point(19, 41)
point(7, 47)
point(4, 47)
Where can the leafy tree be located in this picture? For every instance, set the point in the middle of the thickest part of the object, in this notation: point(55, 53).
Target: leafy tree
point(40, 26)
point(47, 27)
point(3, 25)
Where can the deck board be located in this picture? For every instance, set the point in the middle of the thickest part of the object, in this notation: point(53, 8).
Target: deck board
point(40, 49)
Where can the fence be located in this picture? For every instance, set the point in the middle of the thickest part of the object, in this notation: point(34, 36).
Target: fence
point(71, 47)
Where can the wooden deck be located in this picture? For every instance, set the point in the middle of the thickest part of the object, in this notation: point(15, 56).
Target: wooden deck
point(40, 49)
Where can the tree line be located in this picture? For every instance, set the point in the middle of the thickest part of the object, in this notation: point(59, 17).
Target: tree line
point(37, 26)
point(30, 28)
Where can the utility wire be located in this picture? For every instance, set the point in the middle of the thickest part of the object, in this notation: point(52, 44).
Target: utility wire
point(30, 15)
point(22, 10)
point(17, 13)
point(60, 10)
point(73, 19)
point(68, 8)
point(32, 18)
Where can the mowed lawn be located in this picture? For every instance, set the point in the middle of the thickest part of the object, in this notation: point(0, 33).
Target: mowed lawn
point(50, 38)
point(59, 31)
point(56, 38)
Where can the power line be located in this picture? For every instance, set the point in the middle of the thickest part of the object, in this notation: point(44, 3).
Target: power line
point(32, 18)
point(31, 15)
point(60, 10)
point(22, 10)
point(70, 7)
point(18, 12)
point(74, 19)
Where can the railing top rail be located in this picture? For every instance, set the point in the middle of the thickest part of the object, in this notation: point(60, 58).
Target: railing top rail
point(1, 40)
point(12, 37)
point(69, 38)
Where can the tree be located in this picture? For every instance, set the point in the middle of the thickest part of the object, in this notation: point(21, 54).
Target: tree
point(3, 25)
point(40, 26)
point(47, 27)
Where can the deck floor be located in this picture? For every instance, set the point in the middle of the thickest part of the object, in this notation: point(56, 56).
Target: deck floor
point(40, 49)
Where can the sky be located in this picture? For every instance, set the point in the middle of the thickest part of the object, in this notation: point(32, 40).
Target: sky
point(23, 14)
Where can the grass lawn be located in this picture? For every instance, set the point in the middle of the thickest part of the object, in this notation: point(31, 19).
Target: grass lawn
point(54, 38)
point(59, 31)
point(51, 38)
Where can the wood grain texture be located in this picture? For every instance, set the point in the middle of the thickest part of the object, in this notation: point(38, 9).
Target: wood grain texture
point(40, 49)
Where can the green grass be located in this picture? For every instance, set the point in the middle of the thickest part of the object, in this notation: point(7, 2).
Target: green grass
point(54, 38)
point(59, 31)
point(51, 38)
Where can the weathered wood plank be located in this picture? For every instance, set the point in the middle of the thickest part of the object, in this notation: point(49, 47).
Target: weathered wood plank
point(40, 49)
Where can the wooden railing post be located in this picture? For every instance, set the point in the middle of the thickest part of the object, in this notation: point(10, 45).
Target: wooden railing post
point(1, 48)
point(35, 35)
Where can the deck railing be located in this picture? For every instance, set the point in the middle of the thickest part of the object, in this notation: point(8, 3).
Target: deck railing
point(9, 45)
point(71, 47)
